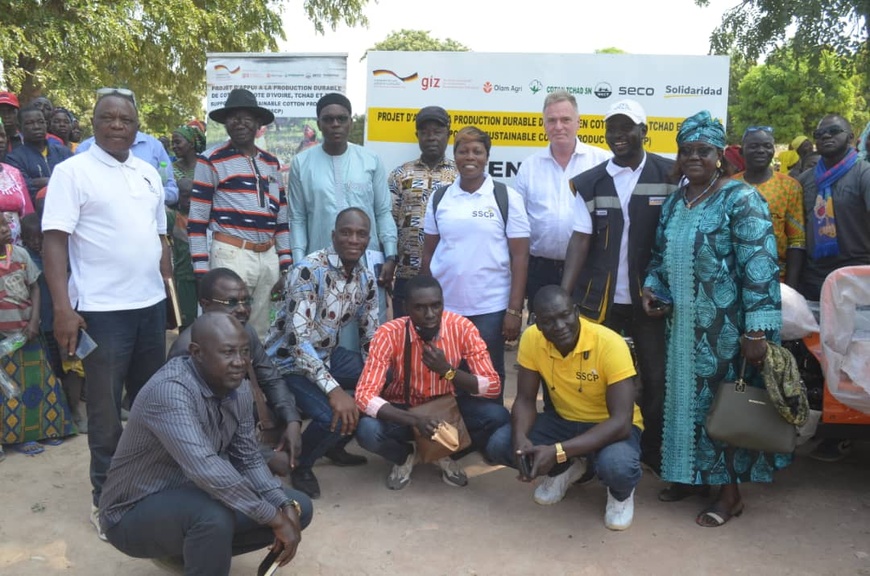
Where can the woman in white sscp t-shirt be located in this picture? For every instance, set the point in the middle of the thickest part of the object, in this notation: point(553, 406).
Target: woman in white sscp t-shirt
point(480, 261)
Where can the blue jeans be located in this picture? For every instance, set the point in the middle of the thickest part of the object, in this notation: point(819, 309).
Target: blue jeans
point(131, 347)
point(317, 440)
point(393, 441)
point(188, 522)
point(617, 464)
point(490, 327)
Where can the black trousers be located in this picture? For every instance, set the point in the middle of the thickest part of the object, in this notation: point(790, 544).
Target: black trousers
point(542, 272)
point(649, 343)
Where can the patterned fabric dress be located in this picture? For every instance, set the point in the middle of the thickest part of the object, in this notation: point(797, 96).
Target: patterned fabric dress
point(718, 261)
point(41, 412)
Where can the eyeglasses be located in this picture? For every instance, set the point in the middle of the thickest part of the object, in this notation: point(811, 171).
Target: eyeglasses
point(700, 151)
point(751, 129)
point(333, 119)
point(235, 302)
point(122, 92)
point(832, 130)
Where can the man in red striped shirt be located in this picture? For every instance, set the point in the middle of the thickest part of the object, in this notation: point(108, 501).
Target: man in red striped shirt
point(439, 342)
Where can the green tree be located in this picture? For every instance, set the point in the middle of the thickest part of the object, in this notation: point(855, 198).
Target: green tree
point(66, 49)
point(357, 129)
point(416, 41)
point(755, 26)
point(792, 93)
point(739, 67)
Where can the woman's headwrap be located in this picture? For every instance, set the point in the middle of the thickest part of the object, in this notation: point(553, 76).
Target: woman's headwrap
point(798, 140)
point(787, 159)
point(702, 128)
point(193, 135)
point(735, 158)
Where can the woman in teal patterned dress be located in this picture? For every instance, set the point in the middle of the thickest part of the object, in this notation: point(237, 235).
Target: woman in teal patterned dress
point(715, 265)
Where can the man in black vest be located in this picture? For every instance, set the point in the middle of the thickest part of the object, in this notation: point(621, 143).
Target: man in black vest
point(615, 218)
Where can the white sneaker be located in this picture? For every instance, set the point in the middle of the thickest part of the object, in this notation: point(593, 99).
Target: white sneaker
point(95, 520)
point(452, 473)
point(618, 515)
point(552, 488)
point(400, 476)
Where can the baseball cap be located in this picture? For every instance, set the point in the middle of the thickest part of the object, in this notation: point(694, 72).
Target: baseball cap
point(435, 113)
point(629, 108)
point(10, 99)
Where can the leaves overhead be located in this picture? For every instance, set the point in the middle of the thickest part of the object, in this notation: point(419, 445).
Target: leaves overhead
point(753, 27)
point(416, 41)
point(66, 49)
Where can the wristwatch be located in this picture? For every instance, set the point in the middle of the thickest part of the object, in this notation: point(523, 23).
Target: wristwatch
point(561, 457)
point(517, 313)
point(450, 374)
point(292, 504)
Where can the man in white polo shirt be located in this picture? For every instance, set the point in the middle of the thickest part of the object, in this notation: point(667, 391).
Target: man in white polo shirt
point(103, 220)
point(543, 183)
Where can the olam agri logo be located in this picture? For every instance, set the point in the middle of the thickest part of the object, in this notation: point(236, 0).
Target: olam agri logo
point(487, 87)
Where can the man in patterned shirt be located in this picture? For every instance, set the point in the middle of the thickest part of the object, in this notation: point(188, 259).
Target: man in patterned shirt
point(784, 197)
point(325, 291)
point(238, 194)
point(438, 342)
point(410, 186)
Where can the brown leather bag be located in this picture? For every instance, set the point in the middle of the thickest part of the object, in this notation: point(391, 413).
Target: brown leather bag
point(452, 436)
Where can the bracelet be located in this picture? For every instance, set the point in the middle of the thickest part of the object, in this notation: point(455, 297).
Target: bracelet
point(517, 313)
point(755, 338)
point(292, 504)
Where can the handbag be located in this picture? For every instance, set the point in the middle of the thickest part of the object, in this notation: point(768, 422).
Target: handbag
point(745, 417)
point(451, 435)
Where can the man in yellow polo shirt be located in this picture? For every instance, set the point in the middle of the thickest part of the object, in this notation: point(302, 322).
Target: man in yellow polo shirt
point(594, 422)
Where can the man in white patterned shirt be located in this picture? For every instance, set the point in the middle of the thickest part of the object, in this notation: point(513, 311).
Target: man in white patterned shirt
point(543, 183)
point(326, 291)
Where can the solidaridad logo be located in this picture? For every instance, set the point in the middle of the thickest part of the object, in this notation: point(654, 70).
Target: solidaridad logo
point(603, 90)
point(535, 86)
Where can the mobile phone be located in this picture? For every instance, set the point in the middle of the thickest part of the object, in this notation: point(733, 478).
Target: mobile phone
point(269, 565)
point(525, 462)
point(85, 346)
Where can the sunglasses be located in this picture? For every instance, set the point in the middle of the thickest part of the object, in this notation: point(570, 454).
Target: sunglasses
point(751, 129)
point(700, 151)
point(122, 92)
point(829, 131)
point(234, 302)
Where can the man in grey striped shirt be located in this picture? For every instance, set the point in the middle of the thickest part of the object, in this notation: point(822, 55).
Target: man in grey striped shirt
point(187, 484)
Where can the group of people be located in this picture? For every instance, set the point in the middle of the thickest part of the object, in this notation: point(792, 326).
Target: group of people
point(680, 258)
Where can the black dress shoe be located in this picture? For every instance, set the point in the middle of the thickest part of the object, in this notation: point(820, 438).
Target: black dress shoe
point(304, 480)
point(341, 457)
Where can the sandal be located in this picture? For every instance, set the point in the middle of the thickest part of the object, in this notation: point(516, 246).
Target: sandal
point(714, 516)
point(51, 441)
point(676, 492)
point(28, 448)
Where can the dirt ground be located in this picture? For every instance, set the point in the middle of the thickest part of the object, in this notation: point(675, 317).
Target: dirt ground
point(814, 520)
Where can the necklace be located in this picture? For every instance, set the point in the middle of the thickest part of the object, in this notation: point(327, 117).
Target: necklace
point(690, 203)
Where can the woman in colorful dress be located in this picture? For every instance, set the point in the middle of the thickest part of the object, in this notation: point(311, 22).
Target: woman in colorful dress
point(14, 198)
point(714, 273)
point(39, 412)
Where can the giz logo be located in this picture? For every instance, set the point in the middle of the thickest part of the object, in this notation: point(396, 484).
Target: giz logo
point(487, 87)
point(430, 82)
